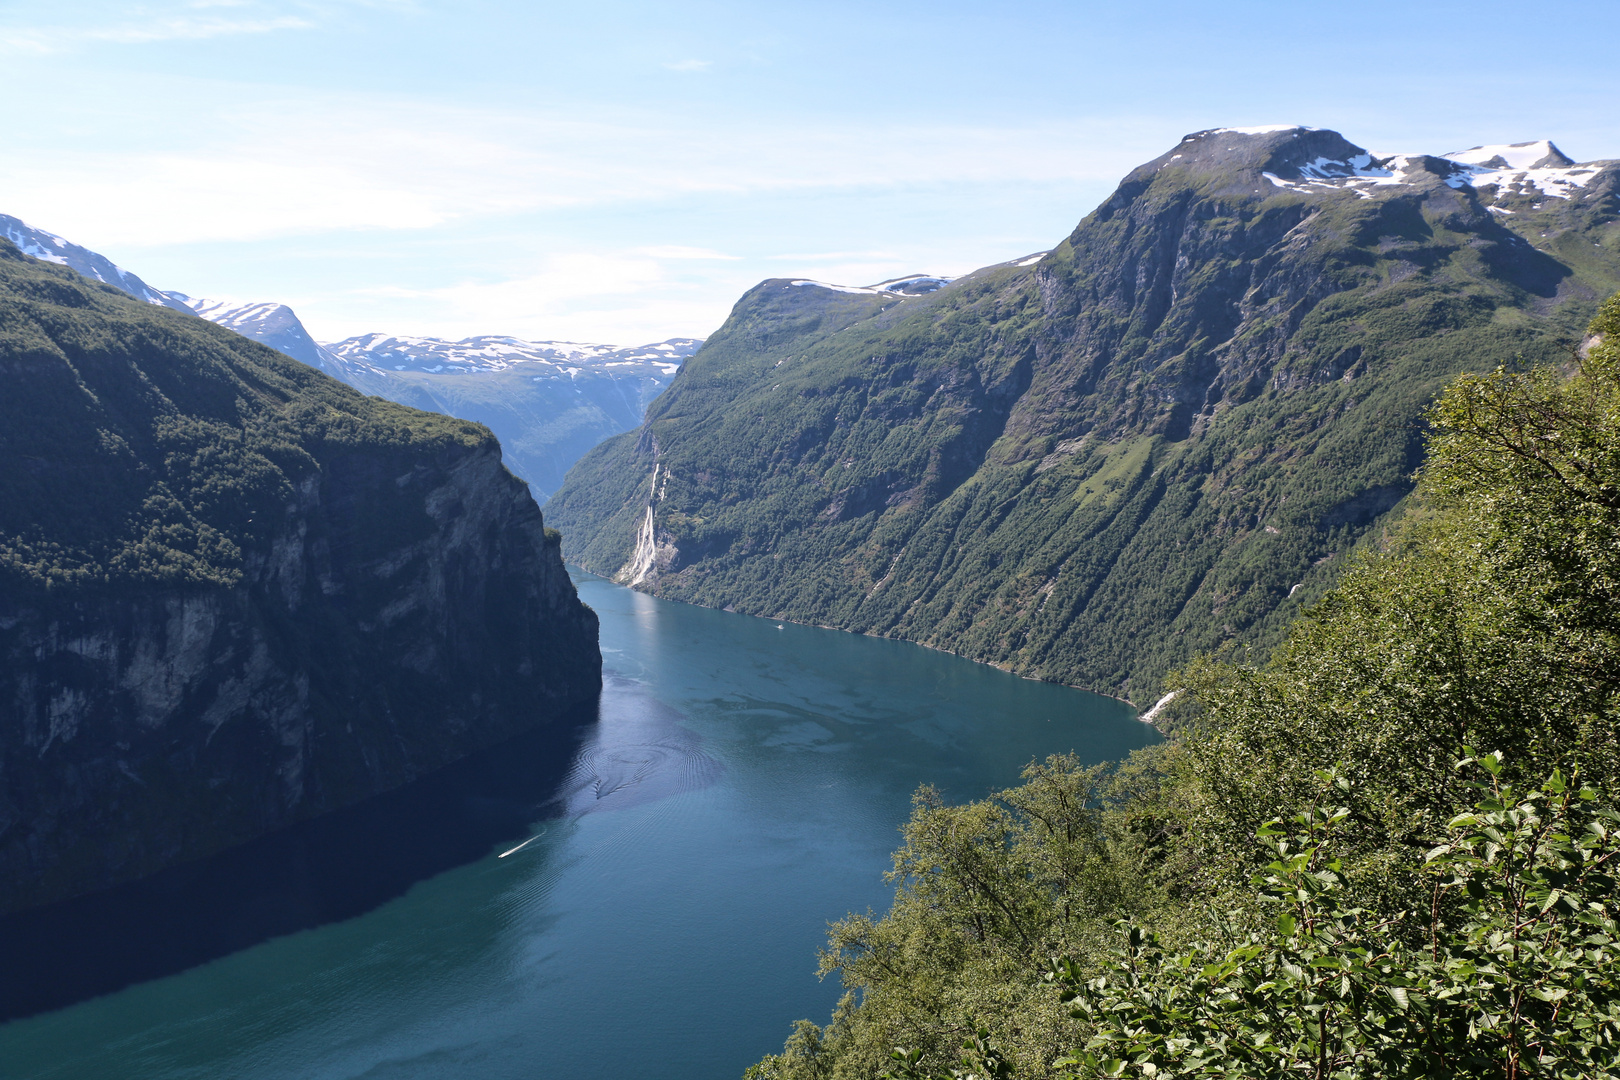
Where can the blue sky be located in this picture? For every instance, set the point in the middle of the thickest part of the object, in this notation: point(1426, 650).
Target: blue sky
point(622, 171)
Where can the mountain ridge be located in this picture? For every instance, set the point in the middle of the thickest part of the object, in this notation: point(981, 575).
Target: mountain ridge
point(545, 415)
point(1163, 436)
point(48, 247)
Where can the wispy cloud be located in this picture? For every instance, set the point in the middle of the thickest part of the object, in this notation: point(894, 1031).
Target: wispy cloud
point(624, 297)
point(484, 210)
point(826, 256)
point(307, 166)
point(195, 29)
point(690, 65)
point(138, 24)
point(671, 251)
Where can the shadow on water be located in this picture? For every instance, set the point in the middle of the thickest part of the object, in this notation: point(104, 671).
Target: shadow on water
point(335, 867)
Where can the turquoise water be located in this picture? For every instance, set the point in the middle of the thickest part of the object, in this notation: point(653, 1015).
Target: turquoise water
point(742, 786)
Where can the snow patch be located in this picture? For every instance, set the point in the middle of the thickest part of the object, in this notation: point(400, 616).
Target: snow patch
point(1520, 167)
point(1265, 129)
point(913, 285)
point(840, 288)
point(1325, 168)
point(1513, 156)
point(487, 354)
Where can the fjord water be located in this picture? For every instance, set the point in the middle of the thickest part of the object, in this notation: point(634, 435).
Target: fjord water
point(741, 786)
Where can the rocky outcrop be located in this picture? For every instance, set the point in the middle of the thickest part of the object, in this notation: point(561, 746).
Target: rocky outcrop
point(385, 599)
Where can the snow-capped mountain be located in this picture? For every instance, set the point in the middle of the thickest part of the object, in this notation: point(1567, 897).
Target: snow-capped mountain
point(367, 358)
point(1499, 174)
point(383, 354)
point(548, 401)
point(52, 248)
point(275, 325)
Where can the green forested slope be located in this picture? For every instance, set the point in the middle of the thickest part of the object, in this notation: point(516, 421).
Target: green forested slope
point(147, 447)
point(1390, 853)
point(236, 594)
point(1165, 436)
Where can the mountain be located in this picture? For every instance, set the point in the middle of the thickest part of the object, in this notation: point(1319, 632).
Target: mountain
point(548, 401)
point(276, 325)
point(236, 593)
point(1165, 436)
point(53, 249)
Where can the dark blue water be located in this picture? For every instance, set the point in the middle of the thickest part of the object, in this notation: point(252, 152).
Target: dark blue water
point(741, 786)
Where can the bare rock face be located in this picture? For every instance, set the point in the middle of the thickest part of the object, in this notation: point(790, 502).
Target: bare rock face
point(385, 600)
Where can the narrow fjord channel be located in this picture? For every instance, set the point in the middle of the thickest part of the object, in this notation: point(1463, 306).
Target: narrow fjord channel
point(742, 786)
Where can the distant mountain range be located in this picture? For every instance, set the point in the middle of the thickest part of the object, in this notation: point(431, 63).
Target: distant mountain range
point(547, 401)
point(1165, 436)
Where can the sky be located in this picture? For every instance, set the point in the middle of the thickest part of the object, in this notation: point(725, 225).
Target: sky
point(621, 172)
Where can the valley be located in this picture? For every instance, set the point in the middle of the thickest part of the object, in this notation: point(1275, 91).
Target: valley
point(1221, 603)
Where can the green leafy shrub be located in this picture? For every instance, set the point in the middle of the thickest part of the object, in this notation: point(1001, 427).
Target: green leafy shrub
point(1509, 971)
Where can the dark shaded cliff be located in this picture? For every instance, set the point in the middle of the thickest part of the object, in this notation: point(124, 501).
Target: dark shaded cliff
point(236, 594)
point(1165, 436)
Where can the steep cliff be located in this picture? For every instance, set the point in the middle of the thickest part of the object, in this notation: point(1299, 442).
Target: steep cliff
point(1161, 437)
point(236, 594)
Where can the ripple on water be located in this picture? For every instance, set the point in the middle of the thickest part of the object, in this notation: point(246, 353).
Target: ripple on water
point(640, 752)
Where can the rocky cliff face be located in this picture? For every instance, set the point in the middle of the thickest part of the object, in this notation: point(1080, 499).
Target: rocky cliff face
point(1164, 436)
point(270, 596)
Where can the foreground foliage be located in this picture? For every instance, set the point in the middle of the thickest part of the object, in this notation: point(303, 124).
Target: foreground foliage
point(1511, 970)
point(1304, 881)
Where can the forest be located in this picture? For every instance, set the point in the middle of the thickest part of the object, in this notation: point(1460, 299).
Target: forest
point(1387, 850)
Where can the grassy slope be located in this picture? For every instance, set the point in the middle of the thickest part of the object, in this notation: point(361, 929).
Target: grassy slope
point(1070, 473)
